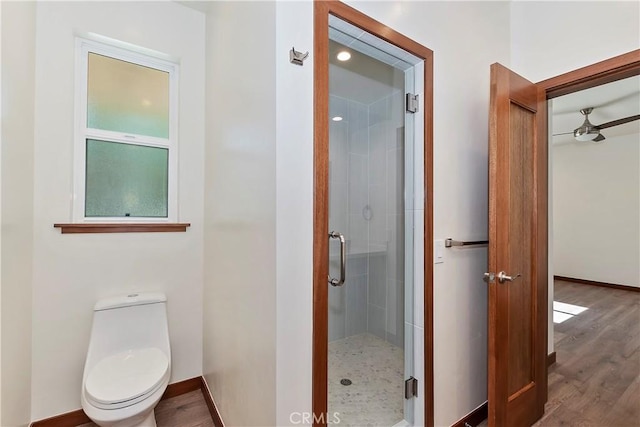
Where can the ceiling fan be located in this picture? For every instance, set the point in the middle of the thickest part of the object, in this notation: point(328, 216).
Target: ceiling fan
point(590, 132)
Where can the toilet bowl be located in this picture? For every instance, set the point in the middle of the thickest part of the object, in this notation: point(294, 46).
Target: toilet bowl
point(128, 363)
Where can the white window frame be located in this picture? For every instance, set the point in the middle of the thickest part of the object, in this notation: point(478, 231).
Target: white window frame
point(82, 133)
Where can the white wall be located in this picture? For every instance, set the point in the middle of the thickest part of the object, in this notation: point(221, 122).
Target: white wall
point(240, 212)
point(549, 38)
point(596, 214)
point(0, 216)
point(70, 272)
point(550, 287)
point(294, 198)
point(18, 62)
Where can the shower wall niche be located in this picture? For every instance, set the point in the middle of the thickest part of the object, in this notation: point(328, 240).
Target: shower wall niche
point(366, 204)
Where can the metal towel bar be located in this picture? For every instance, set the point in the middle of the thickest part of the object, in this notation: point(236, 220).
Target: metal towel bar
point(450, 243)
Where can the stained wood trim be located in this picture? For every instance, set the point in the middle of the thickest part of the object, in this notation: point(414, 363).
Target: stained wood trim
point(541, 260)
point(78, 417)
point(322, 9)
point(213, 409)
point(122, 228)
point(551, 359)
point(70, 419)
point(320, 203)
point(427, 55)
point(609, 70)
point(473, 418)
point(181, 387)
point(595, 283)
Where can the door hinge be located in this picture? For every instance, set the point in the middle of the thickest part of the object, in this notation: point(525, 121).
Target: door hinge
point(412, 103)
point(410, 388)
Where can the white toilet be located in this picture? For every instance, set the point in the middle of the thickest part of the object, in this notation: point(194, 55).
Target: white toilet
point(128, 362)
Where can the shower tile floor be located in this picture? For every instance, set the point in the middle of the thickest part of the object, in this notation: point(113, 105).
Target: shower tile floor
point(376, 370)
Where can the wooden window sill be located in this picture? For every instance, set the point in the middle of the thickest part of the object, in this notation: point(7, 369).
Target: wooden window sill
point(123, 228)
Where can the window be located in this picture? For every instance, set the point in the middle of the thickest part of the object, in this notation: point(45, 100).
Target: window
point(126, 136)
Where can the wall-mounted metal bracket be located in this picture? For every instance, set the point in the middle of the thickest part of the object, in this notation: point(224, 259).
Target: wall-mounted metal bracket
point(296, 57)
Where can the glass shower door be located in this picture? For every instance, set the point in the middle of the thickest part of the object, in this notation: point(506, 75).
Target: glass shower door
point(370, 196)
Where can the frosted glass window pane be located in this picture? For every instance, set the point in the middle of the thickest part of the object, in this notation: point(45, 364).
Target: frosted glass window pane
point(126, 97)
point(126, 180)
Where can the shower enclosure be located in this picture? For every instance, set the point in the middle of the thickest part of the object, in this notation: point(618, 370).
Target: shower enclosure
point(371, 182)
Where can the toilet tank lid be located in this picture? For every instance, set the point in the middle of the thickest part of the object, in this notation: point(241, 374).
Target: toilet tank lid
point(134, 298)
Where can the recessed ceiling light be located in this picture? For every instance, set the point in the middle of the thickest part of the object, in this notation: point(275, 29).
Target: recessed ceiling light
point(337, 119)
point(343, 56)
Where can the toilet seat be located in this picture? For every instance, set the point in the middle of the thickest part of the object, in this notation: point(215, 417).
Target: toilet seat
point(126, 378)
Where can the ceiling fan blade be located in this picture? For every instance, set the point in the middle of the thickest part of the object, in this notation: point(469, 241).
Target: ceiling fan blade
point(618, 122)
point(599, 138)
point(565, 133)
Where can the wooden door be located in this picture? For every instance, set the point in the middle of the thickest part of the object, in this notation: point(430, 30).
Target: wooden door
point(517, 372)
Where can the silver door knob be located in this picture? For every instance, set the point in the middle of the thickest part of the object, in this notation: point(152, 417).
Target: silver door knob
point(502, 277)
point(489, 277)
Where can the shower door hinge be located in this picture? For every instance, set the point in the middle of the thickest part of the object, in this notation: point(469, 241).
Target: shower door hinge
point(412, 103)
point(410, 388)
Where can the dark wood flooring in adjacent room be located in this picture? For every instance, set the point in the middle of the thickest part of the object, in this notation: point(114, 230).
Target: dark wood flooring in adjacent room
point(595, 381)
point(186, 410)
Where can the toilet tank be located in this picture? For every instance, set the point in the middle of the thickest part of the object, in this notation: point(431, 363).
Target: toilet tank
point(133, 321)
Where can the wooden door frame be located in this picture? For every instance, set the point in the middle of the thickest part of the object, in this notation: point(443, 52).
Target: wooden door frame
point(322, 10)
point(603, 72)
point(607, 71)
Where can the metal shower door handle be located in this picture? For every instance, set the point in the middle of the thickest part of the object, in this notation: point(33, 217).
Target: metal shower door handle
point(343, 259)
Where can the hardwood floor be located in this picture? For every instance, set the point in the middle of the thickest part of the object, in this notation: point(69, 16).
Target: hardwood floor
point(595, 381)
point(186, 410)
point(596, 378)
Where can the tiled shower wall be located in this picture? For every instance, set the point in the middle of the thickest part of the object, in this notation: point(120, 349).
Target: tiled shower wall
point(366, 196)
